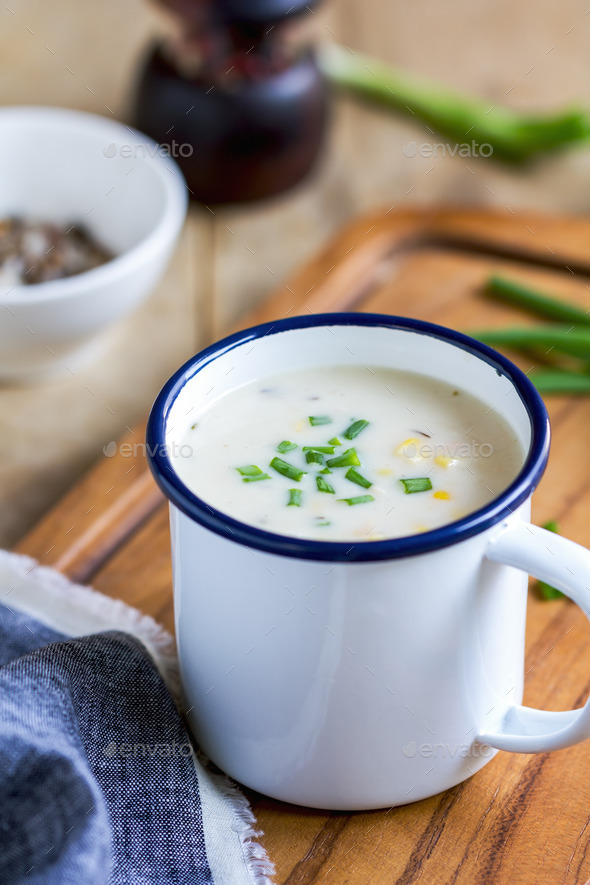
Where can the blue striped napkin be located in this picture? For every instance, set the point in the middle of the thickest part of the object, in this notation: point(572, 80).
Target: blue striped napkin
point(99, 782)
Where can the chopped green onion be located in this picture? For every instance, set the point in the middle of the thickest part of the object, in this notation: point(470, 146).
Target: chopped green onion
point(325, 450)
point(294, 498)
point(286, 446)
point(314, 457)
point(354, 476)
point(326, 470)
point(355, 429)
point(416, 484)
point(334, 441)
point(249, 470)
point(323, 486)
point(323, 521)
point(252, 473)
point(287, 470)
point(349, 458)
point(546, 591)
point(316, 420)
point(361, 499)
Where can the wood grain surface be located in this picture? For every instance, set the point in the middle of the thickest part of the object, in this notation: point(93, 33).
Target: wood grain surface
point(524, 818)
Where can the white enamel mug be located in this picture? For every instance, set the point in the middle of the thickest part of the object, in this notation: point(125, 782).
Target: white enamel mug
point(356, 676)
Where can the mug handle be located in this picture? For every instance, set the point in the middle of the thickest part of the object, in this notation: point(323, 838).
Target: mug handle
point(566, 566)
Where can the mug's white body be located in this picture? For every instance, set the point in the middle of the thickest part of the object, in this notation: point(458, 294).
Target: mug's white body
point(346, 685)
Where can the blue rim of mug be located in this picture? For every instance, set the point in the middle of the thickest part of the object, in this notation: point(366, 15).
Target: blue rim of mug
point(346, 551)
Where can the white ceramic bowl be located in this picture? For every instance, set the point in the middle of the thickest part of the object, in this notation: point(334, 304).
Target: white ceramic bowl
point(67, 166)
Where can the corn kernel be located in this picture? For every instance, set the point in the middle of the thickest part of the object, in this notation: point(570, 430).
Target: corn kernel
point(444, 460)
point(410, 449)
point(442, 496)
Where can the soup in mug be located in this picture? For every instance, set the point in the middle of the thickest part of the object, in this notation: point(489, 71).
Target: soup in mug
point(347, 453)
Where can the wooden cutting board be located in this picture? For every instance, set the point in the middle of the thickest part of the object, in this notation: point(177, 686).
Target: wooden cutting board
point(523, 818)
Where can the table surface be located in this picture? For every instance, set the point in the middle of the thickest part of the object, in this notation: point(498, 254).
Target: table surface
point(533, 54)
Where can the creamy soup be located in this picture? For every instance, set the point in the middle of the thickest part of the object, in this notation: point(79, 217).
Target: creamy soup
point(347, 453)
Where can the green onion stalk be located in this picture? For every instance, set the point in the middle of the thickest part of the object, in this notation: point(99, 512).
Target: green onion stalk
point(513, 137)
point(569, 338)
point(546, 591)
point(552, 336)
point(546, 306)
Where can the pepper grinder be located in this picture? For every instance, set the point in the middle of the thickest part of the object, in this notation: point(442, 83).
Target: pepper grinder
point(235, 97)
